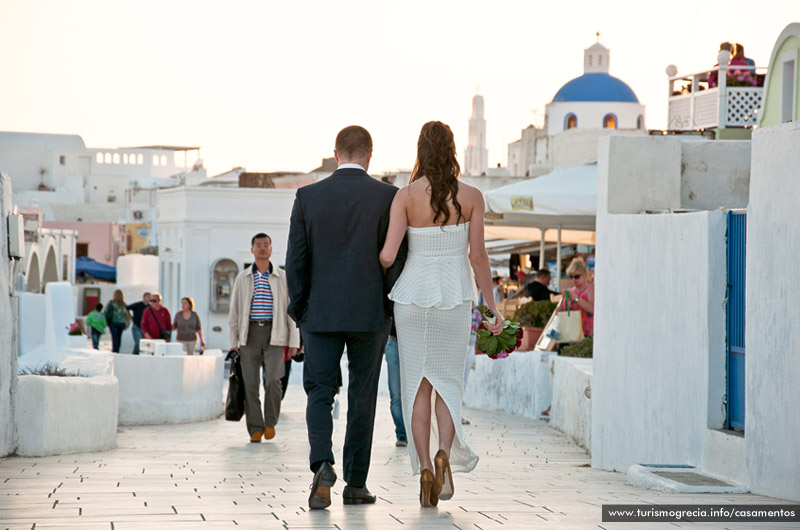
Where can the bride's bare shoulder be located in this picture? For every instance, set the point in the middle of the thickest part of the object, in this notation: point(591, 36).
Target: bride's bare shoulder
point(469, 192)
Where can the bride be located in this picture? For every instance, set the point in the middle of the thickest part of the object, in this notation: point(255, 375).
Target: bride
point(443, 219)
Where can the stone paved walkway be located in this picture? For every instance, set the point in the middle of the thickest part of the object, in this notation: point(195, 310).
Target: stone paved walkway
point(207, 476)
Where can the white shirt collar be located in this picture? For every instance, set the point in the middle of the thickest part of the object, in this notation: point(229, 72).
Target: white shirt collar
point(351, 165)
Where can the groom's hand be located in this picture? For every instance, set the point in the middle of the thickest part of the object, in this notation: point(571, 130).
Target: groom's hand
point(292, 352)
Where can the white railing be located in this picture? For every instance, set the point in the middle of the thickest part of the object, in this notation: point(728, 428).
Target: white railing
point(730, 97)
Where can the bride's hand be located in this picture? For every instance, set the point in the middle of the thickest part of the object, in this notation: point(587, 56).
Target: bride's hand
point(497, 327)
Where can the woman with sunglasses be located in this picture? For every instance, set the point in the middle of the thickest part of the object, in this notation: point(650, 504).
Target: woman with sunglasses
point(581, 295)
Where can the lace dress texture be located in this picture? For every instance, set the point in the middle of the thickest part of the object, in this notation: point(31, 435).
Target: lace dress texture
point(432, 311)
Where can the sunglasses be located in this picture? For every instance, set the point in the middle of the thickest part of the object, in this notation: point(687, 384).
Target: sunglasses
point(575, 276)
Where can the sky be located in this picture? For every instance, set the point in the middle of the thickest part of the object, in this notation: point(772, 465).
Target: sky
point(266, 85)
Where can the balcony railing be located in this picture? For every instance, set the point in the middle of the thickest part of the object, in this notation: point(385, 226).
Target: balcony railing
point(730, 97)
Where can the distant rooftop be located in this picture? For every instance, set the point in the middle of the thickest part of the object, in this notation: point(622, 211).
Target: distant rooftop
point(165, 147)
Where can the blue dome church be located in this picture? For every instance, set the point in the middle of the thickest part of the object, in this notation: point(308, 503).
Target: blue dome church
point(595, 100)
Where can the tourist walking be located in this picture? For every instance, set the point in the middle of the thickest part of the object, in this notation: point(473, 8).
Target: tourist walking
point(337, 295)
point(156, 321)
point(118, 319)
point(259, 329)
point(187, 326)
point(443, 220)
point(96, 321)
point(137, 310)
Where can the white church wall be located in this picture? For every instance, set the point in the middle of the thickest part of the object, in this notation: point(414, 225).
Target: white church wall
point(772, 426)
point(590, 114)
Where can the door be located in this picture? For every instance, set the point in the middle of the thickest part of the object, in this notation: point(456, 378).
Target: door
point(737, 230)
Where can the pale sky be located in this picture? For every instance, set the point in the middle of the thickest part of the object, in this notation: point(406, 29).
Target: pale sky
point(267, 85)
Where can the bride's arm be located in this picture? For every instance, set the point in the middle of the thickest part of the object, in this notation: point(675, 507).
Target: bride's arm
point(479, 259)
point(398, 221)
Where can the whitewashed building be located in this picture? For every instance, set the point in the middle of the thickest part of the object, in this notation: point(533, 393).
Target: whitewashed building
point(586, 108)
point(695, 341)
point(204, 235)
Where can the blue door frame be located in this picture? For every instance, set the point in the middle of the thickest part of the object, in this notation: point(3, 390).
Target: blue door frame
point(737, 231)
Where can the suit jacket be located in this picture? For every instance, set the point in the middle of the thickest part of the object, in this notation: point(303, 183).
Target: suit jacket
point(334, 275)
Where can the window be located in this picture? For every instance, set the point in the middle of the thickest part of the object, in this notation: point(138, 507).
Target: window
point(600, 60)
point(787, 91)
point(125, 158)
point(108, 158)
point(140, 159)
point(62, 160)
point(610, 122)
point(163, 160)
point(155, 160)
point(590, 60)
point(81, 250)
point(99, 158)
point(640, 122)
point(116, 158)
point(570, 122)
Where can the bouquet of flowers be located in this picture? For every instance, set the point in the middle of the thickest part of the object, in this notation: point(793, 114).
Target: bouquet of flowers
point(497, 346)
point(75, 329)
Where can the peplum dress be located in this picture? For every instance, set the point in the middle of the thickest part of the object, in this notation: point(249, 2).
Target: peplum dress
point(433, 314)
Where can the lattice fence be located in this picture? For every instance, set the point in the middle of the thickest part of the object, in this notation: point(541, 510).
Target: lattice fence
point(744, 103)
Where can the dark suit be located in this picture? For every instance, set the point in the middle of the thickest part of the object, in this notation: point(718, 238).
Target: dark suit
point(337, 294)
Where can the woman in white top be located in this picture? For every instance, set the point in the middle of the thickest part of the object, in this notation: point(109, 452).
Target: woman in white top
point(443, 219)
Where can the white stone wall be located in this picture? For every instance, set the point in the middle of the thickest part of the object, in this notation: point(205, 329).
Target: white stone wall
point(772, 424)
point(519, 384)
point(572, 399)
point(659, 362)
point(59, 415)
point(173, 389)
point(659, 322)
point(8, 327)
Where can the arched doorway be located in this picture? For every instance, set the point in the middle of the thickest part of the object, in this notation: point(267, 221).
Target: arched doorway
point(34, 274)
point(50, 273)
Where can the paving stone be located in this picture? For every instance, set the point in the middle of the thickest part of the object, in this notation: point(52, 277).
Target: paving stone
point(208, 476)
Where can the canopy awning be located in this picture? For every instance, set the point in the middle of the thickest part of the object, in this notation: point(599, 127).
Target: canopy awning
point(565, 198)
point(89, 267)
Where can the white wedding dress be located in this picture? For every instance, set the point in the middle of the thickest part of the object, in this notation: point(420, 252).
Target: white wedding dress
point(432, 311)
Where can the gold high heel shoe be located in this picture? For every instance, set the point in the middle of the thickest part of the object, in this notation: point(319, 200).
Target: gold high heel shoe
point(428, 489)
point(444, 478)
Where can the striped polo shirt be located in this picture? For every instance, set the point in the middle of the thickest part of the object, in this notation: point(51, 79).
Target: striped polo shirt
point(261, 304)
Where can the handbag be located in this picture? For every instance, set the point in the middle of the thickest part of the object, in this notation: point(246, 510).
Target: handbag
point(569, 323)
point(166, 335)
point(234, 402)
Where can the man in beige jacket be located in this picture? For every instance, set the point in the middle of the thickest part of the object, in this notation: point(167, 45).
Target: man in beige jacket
point(259, 329)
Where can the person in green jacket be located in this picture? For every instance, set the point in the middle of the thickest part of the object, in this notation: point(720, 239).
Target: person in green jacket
point(96, 320)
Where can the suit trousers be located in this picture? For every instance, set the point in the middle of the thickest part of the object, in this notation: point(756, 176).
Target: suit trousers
point(323, 353)
point(256, 355)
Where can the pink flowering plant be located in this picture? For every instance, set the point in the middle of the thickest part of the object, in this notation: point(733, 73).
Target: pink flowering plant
point(497, 346)
point(75, 329)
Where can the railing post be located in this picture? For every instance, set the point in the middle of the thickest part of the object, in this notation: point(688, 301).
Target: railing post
point(722, 79)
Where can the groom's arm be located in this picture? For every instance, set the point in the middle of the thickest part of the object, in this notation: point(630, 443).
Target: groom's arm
point(298, 270)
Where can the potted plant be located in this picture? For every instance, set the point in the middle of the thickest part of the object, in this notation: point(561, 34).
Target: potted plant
point(75, 337)
point(533, 317)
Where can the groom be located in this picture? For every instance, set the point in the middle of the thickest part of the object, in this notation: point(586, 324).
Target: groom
point(337, 295)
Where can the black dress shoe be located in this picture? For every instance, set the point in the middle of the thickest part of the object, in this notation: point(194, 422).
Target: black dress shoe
point(353, 495)
point(324, 478)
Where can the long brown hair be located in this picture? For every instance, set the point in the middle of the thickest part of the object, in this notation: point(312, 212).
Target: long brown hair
point(436, 159)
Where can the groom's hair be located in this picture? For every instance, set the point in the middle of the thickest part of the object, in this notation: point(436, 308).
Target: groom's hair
point(353, 141)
